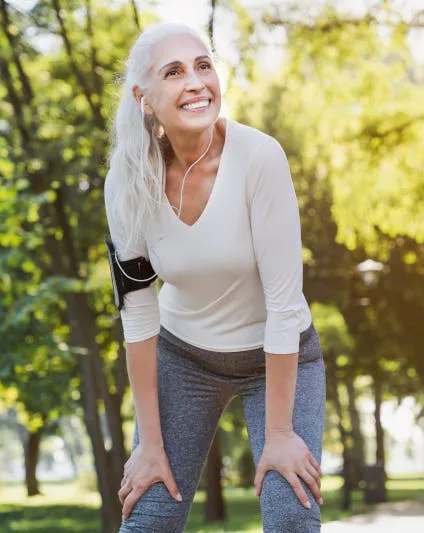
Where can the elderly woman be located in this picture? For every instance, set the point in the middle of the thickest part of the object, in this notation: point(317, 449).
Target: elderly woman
point(210, 205)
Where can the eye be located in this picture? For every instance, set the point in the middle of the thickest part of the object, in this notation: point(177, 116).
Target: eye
point(171, 73)
point(205, 66)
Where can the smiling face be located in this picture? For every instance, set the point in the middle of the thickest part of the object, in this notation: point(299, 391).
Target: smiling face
point(184, 92)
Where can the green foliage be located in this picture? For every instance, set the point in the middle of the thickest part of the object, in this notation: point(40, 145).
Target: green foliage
point(346, 106)
point(53, 146)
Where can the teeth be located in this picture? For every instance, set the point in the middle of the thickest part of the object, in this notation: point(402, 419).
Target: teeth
point(196, 105)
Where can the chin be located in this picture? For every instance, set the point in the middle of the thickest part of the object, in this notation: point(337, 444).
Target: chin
point(200, 121)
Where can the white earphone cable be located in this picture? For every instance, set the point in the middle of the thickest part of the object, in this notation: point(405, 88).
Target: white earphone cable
point(186, 173)
point(126, 275)
point(181, 193)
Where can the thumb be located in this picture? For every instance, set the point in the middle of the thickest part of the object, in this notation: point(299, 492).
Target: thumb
point(172, 486)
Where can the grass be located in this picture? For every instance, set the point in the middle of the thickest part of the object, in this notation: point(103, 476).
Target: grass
point(67, 508)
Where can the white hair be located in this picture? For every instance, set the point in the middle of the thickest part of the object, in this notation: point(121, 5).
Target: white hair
point(137, 154)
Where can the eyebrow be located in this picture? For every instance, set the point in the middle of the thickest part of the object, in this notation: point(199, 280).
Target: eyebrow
point(178, 63)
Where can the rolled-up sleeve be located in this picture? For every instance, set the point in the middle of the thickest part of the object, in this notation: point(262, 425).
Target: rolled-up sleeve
point(140, 315)
point(276, 234)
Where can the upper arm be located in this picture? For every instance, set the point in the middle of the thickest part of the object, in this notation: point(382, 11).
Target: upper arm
point(276, 236)
point(140, 314)
point(274, 214)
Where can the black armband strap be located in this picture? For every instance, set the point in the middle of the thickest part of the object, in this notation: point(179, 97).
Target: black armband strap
point(129, 275)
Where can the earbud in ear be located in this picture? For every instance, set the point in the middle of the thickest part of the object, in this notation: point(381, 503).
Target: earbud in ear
point(142, 103)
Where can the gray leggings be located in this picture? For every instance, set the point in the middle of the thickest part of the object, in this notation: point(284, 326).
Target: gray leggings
point(195, 386)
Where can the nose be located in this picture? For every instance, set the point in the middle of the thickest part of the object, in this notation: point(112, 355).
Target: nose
point(194, 82)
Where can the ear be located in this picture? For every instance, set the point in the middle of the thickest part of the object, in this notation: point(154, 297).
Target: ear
point(137, 93)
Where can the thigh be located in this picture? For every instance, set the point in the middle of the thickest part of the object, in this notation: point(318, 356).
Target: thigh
point(281, 509)
point(190, 405)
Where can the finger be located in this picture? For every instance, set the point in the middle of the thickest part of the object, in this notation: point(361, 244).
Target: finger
point(314, 473)
point(296, 485)
point(171, 485)
point(131, 500)
point(123, 492)
point(312, 484)
point(315, 464)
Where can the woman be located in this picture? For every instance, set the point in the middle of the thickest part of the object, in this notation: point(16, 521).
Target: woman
point(210, 202)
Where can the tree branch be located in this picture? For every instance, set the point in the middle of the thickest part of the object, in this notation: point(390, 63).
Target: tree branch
point(14, 99)
point(98, 118)
point(373, 133)
point(135, 15)
point(97, 80)
point(26, 86)
point(211, 23)
point(337, 23)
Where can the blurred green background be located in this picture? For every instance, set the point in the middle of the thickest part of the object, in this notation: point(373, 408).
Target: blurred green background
point(340, 85)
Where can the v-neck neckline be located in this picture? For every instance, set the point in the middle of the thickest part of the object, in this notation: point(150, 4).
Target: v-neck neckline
point(213, 193)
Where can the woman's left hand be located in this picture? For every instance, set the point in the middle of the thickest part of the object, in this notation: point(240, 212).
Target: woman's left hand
point(288, 454)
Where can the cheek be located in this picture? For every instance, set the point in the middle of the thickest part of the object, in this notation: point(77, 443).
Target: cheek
point(214, 85)
point(173, 93)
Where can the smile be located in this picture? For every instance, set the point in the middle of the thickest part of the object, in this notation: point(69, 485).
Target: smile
point(197, 106)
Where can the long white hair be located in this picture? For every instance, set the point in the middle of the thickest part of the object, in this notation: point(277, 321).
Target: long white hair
point(137, 144)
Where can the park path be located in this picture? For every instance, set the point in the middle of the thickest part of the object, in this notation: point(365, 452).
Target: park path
point(399, 517)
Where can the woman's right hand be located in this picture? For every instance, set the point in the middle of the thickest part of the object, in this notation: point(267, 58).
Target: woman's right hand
point(146, 465)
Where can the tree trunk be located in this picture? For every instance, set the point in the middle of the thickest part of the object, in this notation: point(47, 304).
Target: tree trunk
point(380, 458)
point(109, 464)
point(214, 505)
point(357, 450)
point(211, 22)
point(32, 451)
point(333, 382)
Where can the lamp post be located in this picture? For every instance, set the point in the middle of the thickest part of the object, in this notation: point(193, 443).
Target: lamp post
point(369, 270)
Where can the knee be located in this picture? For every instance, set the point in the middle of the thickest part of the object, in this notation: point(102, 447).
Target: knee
point(153, 523)
point(282, 512)
point(287, 520)
point(156, 512)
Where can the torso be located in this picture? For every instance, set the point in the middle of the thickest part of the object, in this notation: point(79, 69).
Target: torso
point(198, 183)
point(212, 294)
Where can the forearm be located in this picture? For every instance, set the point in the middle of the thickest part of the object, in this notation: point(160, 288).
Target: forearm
point(142, 374)
point(281, 376)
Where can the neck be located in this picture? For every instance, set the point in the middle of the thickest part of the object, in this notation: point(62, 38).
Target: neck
point(188, 147)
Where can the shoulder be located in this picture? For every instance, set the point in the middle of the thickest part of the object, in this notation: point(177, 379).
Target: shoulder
point(262, 152)
point(261, 147)
point(267, 167)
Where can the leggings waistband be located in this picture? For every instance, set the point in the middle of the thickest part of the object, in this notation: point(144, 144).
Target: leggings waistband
point(170, 337)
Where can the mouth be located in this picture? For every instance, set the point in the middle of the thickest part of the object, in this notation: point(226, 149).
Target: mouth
point(200, 105)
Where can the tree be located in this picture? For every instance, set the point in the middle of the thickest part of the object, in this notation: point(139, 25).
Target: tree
point(54, 145)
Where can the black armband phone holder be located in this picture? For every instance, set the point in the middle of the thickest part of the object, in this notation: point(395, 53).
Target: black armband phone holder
point(129, 275)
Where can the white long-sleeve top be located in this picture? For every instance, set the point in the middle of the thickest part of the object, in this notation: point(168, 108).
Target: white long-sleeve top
point(232, 280)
